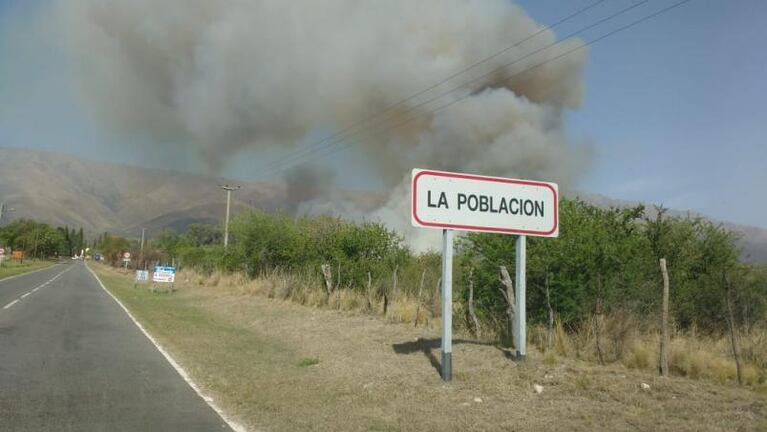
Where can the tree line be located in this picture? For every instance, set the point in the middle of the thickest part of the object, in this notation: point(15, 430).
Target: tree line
point(40, 240)
point(604, 261)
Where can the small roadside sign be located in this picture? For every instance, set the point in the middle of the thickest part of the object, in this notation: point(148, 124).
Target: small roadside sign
point(142, 275)
point(126, 255)
point(164, 274)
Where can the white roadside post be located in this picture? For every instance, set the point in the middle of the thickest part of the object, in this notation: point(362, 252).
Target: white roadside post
point(229, 189)
point(447, 305)
point(521, 315)
point(468, 202)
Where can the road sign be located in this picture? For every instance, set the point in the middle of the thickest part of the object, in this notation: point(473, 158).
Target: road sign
point(142, 275)
point(468, 202)
point(2, 251)
point(126, 255)
point(164, 274)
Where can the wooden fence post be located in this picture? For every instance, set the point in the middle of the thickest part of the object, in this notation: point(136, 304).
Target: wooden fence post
point(508, 295)
point(369, 291)
point(664, 340)
point(472, 313)
point(598, 323)
point(550, 327)
point(420, 291)
point(733, 330)
point(327, 273)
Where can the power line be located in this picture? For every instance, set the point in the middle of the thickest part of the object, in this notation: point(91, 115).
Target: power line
point(559, 56)
point(291, 159)
point(445, 80)
point(340, 145)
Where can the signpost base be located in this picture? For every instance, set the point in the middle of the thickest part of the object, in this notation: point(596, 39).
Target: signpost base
point(521, 339)
point(447, 366)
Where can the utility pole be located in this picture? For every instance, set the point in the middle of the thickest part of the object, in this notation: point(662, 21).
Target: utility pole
point(141, 252)
point(3, 210)
point(2, 207)
point(229, 189)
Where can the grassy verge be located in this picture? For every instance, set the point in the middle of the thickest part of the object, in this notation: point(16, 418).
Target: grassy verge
point(276, 365)
point(12, 268)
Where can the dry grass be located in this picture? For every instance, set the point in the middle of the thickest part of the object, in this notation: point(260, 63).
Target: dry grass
point(402, 307)
point(625, 339)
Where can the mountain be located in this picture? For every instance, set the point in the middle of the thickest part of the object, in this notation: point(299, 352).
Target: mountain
point(98, 196)
point(63, 190)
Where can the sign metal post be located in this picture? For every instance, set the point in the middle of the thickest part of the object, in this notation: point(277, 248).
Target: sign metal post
point(521, 279)
point(447, 305)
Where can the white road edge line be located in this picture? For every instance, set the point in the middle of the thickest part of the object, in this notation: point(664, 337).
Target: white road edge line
point(36, 288)
point(180, 370)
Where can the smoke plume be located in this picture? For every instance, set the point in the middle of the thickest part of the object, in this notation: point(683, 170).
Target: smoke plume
point(225, 75)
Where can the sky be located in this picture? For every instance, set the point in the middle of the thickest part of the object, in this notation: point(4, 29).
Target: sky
point(674, 107)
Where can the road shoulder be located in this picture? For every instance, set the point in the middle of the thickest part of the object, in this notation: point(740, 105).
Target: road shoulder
point(235, 426)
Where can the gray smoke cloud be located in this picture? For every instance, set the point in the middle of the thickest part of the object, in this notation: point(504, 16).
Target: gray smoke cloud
point(222, 75)
point(308, 182)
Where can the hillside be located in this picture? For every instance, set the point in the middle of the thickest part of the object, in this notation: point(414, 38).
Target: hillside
point(64, 190)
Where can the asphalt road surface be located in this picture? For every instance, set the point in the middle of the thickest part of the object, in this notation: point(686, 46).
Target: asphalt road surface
point(72, 360)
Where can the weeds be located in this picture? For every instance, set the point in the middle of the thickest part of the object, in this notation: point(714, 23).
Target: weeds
point(583, 382)
point(549, 358)
point(308, 361)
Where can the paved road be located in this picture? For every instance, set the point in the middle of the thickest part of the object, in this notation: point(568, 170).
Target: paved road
point(72, 360)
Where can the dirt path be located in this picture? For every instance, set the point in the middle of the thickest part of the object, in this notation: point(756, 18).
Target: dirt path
point(280, 366)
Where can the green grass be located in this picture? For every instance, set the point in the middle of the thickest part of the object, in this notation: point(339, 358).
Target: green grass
point(13, 268)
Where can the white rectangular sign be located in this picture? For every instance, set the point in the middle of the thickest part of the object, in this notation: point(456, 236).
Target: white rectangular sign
point(470, 202)
point(166, 274)
point(142, 275)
